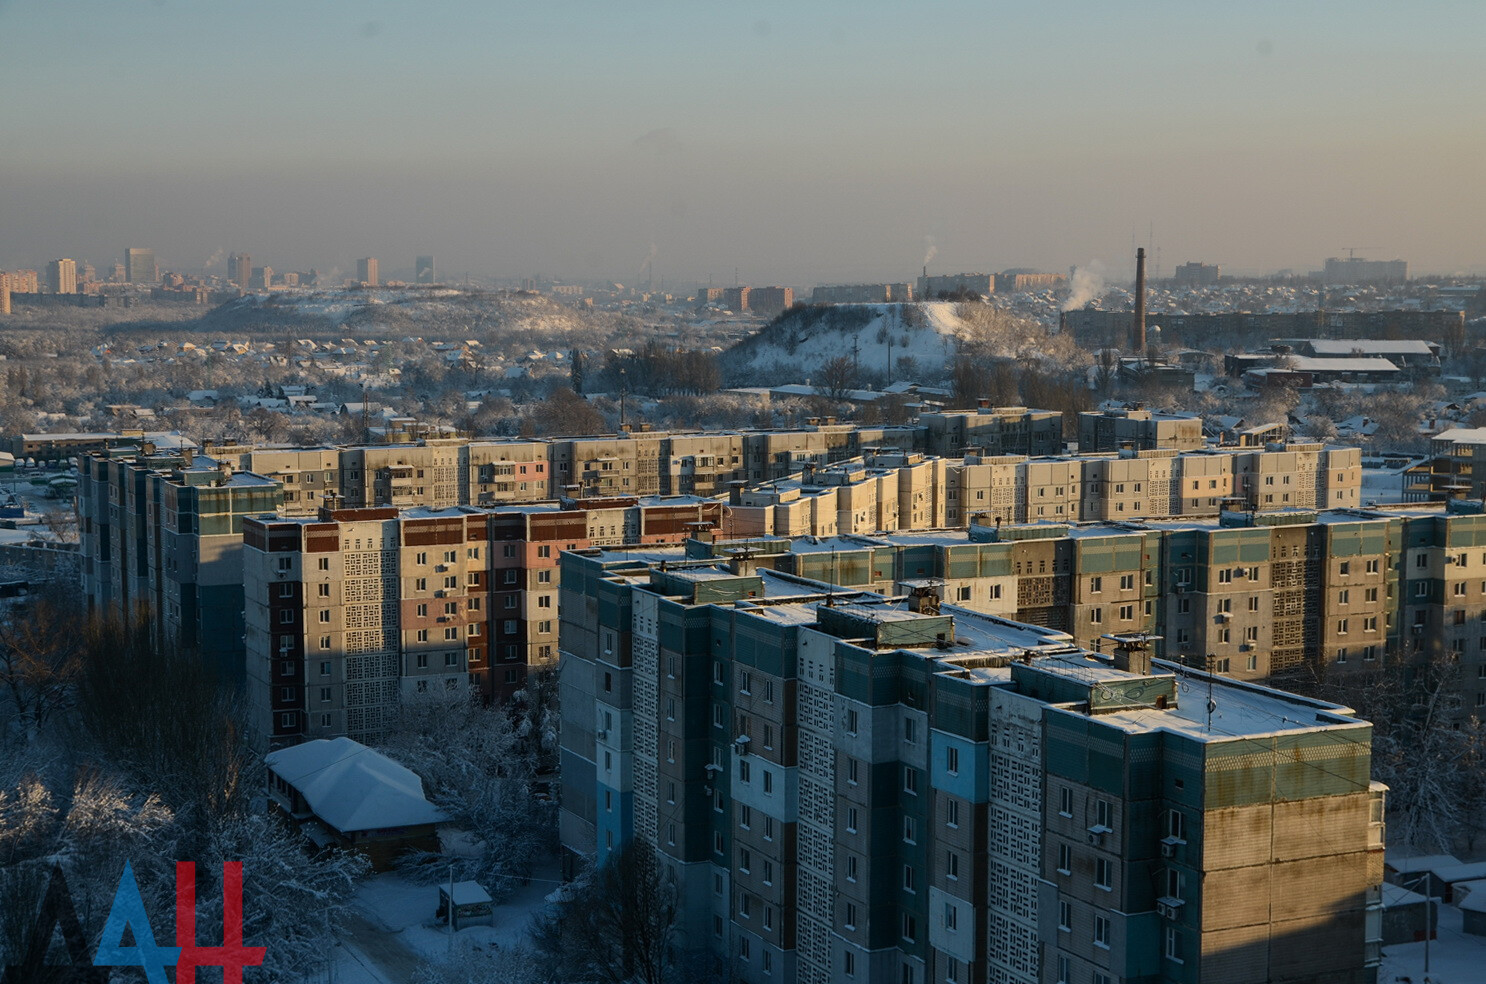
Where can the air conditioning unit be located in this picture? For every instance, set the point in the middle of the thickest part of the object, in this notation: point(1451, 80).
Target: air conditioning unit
point(1166, 911)
point(1418, 629)
point(1095, 838)
point(601, 735)
point(283, 575)
point(1168, 849)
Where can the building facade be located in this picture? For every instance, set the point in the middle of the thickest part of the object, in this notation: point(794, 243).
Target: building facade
point(851, 788)
point(350, 610)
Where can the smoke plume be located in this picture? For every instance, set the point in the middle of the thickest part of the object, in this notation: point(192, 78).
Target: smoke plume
point(930, 250)
point(1087, 284)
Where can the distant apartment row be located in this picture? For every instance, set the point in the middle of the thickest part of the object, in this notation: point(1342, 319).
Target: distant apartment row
point(455, 471)
point(163, 531)
point(1266, 597)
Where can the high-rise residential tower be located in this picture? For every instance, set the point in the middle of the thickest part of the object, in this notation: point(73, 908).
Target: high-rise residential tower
point(426, 273)
point(240, 269)
point(61, 276)
point(366, 271)
point(140, 266)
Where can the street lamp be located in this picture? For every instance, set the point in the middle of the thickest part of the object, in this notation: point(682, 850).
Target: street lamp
point(1429, 911)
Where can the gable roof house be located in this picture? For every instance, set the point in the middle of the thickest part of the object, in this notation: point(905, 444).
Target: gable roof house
point(342, 793)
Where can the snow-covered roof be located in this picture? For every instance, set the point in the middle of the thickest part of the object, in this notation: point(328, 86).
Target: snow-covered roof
point(1405, 862)
point(1369, 346)
point(1301, 363)
point(467, 893)
point(1463, 435)
point(352, 787)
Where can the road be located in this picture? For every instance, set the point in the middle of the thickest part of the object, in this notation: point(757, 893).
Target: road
point(380, 953)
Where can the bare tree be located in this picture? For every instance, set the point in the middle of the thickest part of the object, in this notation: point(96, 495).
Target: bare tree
point(620, 926)
point(837, 377)
point(40, 658)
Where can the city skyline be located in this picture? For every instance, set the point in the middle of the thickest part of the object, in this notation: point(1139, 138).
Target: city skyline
point(823, 145)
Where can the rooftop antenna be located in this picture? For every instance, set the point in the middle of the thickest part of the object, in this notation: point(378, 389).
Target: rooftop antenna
point(1212, 704)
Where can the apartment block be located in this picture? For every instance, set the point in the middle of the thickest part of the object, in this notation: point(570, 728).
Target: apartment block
point(937, 493)
point(162, 535)
point(350, 610)
point(849, 787)
point(992, 431)
point(1143, 430)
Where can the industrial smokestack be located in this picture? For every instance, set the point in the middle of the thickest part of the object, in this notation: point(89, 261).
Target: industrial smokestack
point(1137, 331)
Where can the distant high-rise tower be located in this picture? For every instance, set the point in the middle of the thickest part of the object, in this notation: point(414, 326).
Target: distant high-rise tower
point(140, 266)
point(61, 277)
point(425, 270)
point(366, 270)
point(240, 269)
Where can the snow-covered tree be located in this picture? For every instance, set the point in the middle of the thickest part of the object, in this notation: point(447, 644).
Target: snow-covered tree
point(480, 765)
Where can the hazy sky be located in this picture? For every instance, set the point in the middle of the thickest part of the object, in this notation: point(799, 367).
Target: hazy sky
point(797, 142)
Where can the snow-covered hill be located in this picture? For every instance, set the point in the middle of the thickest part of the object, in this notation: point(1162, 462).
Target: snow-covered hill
point(932, 333)
point(444, 311)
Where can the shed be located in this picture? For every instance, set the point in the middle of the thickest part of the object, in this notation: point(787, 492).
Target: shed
point(1473, 914)
point(472, 905)
point(1406, 870)
point(1449, 876)
point(1405, 916)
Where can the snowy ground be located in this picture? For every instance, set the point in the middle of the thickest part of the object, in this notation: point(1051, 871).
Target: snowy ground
point(1454, 958)
point(1382, 485)
point(397, 931)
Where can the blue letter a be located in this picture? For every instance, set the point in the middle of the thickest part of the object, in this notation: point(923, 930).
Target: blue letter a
point(128, 910)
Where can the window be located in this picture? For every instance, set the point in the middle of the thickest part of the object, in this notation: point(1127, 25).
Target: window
point(1176, 825)
point(851, 771)
point(910, 780)
point(849, 964)
point(851, 867)
point(1101, 931)
point(768, 782)
point(325, 642)
point(1104, 814)
point(1127, 612)
point(1065, 916)
point(1173, 946)
point(324, 695)
point(910, 730)
point(1096, 584)
point(325, 667)
point(852, 722)
point(1065, 858)
point(908, 878)
point(910, 830)
point(1063, 970)
point(851, 819)
point(910, 928)
point(324, 563)
point(951, 813)
point(952, 760)
point(325, 615)
point(1065, 801)
point(951, 865)
point(1103, 873)
point(951, 917)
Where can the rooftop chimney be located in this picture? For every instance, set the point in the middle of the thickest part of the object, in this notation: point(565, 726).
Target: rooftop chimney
point(1137, 333)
